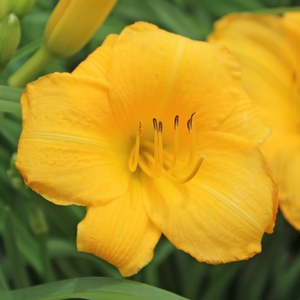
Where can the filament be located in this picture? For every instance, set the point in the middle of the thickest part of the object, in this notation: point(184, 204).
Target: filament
point(192, 131)
point(156, 147)
point(153, 165)
point(189, 176)
point(134, 153)
point(175, 150)
point(160, 164)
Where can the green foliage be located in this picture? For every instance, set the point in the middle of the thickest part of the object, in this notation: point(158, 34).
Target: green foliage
point(37, 238)
point(92, 288)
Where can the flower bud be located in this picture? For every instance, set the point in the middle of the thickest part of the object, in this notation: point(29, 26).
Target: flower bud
point(9, 38)
point(5, 8)
point(22, 7)
point(73, 23)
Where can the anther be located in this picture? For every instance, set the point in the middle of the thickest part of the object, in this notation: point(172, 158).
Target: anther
point(140, 128)
point(192, 130)
point(155, 124)
point(160, 126)
point(176, 122)
point(189, 125)
point(190, 122)
point(154, 165)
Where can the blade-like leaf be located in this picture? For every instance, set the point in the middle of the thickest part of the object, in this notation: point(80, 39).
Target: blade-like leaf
point(10, 99)
point(91, 288)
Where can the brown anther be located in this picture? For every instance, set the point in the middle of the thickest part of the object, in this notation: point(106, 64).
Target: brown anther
point(176, 122)
point(160, 126)
point(155, 124)
point(140, 128)
point(190, 122)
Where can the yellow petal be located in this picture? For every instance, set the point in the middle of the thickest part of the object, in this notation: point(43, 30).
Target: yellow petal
point(291, 27)
point(282, 150)
point(268, 48)
point(156, 74)
point(222, 213)
point(245, 121)
point(70, 150)
point(268, 62)
point(97, 63)
point(120, 232)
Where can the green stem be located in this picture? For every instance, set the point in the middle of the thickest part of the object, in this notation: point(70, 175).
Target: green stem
point(41, 59)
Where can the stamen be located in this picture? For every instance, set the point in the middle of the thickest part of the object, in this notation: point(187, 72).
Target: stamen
point(152, 156)
point(160, 165)
point(134, 154)
point(176, 121)
point(156, 147)
point(160, 126)
point(155, 124)
point(190, 122)
point(175, 150)
point(147, 157)
point(192, 130)
point(189, 176)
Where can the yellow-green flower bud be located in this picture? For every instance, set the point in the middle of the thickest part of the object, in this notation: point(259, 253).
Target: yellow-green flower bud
point(9, 38)
point(22, 7)
point(5, 8)
point(73, 23)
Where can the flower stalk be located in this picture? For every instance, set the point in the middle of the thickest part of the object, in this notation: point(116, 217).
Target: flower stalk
point(70, 27)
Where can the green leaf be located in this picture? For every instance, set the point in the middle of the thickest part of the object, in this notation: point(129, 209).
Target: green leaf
point(18, 272)
point(27, 50)
point(10, 99)
point(10, 107)
point(276, 10)
point(91, 288)
point(62, 249)
point(26, 245)
point(10, 93)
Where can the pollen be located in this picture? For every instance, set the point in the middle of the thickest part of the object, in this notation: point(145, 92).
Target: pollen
point(155, 161)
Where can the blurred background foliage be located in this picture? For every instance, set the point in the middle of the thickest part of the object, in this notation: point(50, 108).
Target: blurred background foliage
point(38, 238)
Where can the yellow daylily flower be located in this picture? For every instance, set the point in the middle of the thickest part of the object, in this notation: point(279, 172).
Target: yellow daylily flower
point(268, 48)
point(112, 136)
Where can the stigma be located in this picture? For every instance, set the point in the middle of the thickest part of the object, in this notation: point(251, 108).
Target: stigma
point(155, 161)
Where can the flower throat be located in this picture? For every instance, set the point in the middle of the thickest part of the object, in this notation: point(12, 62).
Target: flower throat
point(150, 157)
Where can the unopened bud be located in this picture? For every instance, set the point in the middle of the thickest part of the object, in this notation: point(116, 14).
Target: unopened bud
point(73, 23)
point(22, 7)
point(5, 8)
point(9, 38)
